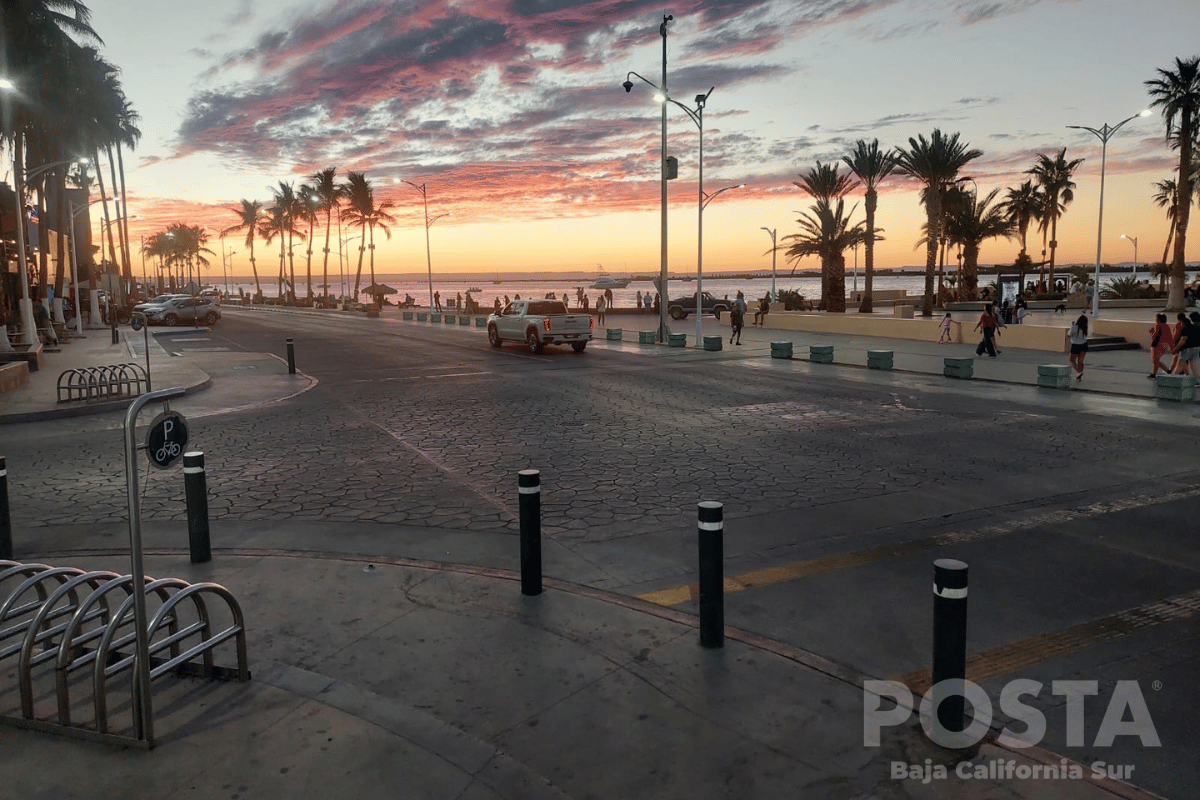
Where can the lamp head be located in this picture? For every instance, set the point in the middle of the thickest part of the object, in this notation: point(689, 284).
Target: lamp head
point(628, 86)
point(1145, 112)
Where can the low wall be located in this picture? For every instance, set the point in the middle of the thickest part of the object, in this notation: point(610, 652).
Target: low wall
point(1133, 331)
point(1026, 337)
point(13, 375)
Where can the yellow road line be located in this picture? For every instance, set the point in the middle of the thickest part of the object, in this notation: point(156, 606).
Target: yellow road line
point(1014, 656)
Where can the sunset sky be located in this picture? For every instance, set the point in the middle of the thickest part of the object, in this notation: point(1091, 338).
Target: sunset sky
point(512, 113)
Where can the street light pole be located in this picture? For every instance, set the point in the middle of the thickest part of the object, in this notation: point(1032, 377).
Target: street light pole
point(771, 233)
point(428, 222)
point(1104, 133)
point(75, 212)
point(1135, 258)
point(705, 199)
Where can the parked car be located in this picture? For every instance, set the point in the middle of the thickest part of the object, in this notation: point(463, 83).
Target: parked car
point(679, 308)
point(183, 310)
point(157, 301)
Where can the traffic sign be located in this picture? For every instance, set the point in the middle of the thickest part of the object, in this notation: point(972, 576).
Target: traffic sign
point(167, 439)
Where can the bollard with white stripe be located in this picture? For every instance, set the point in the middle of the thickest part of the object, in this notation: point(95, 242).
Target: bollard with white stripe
point(195, 487)
point(291, 350)
point(949, 642)
point(711, 524)
point(529, 488)
point(6, 547)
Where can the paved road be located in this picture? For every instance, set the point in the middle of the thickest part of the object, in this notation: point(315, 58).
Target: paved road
point(839, 489)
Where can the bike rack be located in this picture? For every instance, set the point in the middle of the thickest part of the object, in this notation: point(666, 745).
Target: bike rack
point(93, 383)
point(51, 621)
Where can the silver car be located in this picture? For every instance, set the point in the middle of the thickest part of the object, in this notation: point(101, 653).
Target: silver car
point(183, 310)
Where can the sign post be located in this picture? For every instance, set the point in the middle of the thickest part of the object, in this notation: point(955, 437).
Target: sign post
point(167, 432)
point(139, 323)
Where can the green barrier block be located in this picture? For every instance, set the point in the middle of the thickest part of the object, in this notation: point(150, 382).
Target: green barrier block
point(464, 321)
point(713, 342)
point(406, 315)
point(613, 334)
point(481, 322)
point(820, 353)
point(879, 359)
point(421, 315)
point(647, 337)
point(435, 317)
point(1054, 376)
point(677, 339)
point(1180, 388)
point(781, 349)
point(448, 319)
point(960, 368)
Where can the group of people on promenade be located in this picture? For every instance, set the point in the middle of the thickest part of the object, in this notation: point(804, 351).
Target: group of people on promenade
point(1182, 341)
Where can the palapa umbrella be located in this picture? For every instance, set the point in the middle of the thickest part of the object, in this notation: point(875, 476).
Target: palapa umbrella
point(376, 289)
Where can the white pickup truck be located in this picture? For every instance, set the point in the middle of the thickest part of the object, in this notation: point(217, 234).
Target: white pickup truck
point(538, 323)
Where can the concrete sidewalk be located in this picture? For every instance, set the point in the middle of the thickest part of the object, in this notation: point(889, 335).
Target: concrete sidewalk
point(388, 677)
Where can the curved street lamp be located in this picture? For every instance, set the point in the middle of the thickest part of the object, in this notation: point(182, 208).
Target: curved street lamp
point(1103, 133)
point(771, 232)
point(1135, 260)
point(705, 199)
point(428, 221)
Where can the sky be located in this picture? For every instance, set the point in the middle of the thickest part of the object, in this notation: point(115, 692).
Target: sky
point(512, 114)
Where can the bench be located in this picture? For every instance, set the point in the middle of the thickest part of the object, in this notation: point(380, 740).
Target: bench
point(1054, 376)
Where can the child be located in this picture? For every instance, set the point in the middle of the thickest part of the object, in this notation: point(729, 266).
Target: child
point(945, 325)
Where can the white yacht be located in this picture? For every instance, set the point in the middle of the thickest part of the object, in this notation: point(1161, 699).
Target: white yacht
point(608, 282)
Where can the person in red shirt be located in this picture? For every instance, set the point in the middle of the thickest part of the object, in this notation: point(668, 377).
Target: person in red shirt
point(1162, 341)
point(987, 324)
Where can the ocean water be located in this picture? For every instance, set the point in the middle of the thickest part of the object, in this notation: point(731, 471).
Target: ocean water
point(808, 285)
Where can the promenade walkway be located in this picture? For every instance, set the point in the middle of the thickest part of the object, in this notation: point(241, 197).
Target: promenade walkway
point(396, 677)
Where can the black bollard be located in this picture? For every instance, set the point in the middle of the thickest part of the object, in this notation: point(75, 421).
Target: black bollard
point(6, 550)
point(195, 487)
point(949, 641)
point(530, 506)
point(712, 573)
point(291, 348)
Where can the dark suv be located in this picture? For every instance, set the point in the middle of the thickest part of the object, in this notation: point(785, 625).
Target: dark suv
point(679, 308)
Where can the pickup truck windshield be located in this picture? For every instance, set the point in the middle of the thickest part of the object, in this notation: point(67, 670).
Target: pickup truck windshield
point(547, 307)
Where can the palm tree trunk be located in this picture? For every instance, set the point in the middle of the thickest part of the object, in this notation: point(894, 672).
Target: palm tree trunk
point(1170, 236)
point(325, 270)
point(969, 272)
point(837, 284)
point(867, 305)
point(126, 269)
point(254, 268)
point(311, 221)
point(358, 275)
point(63, 215)
point(43, 241)
point(291, 257)
point(1053, 248)
point(934, 213)
point(124, 204)
point(372, 237)
point(1183, 210)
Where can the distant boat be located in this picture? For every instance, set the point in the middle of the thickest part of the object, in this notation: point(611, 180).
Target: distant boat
point(475, 289)
point(606, 282)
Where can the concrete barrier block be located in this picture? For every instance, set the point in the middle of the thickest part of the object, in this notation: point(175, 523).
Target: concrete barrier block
point(464, 321)
point(448, 319)
point(406, 315)
point(647, 337)
point(481, 322)
point(422, 316)
point(879, 359)
point(435, 317)
point(1054, 370)
point(613, 334)
point(820, 353)
point(712, 343)
point(961, 368)
point(677, 339)
point(1054, 381)
point(781, 349)
point(1180, 388)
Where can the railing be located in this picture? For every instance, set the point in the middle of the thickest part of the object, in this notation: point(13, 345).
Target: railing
point(71, 619)
point(93, 383)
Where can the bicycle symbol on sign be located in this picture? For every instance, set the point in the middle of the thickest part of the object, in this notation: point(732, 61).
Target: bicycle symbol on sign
point(167, 451)
point(166, 439)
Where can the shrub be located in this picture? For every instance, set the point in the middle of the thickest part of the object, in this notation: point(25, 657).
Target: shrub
point(791, 299)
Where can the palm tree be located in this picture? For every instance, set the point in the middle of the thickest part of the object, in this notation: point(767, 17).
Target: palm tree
point(307, 205)
point(1177, 94)
point(1023, 205)
point(1167, 197)
point(871, 165)
point(291, 211)
point(274, 224)
point(934, 162)
point(969, 224)
point(330, 194)
point(825, 182)
point(1058, 191)
point(827, 233)
point(250, 215)
point(364, 214)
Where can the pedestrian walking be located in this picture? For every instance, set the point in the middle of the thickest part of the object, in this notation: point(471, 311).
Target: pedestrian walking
point(1181, 322)
point(987, 325)
point(639, 299)
point(737, 315)
point(1162, 341)
point(601, 307)
point(458, 301)
point(437, 301)
point(946, 337)
point(1187, 345)
point(1078, 334)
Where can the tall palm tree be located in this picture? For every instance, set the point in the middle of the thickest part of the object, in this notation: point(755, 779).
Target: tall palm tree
point(307, 205)
point(291, 211)
point(250, 216)
point(970, 223)
point(272, 225)
point(871, 165)
point(826, 182)
point(935, 162)
point(827, 233)
point(1177, 95)
point(1167, 197)
point(330, 193)
point(1053, 175)
point(1023, 205)
point(366, 215)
